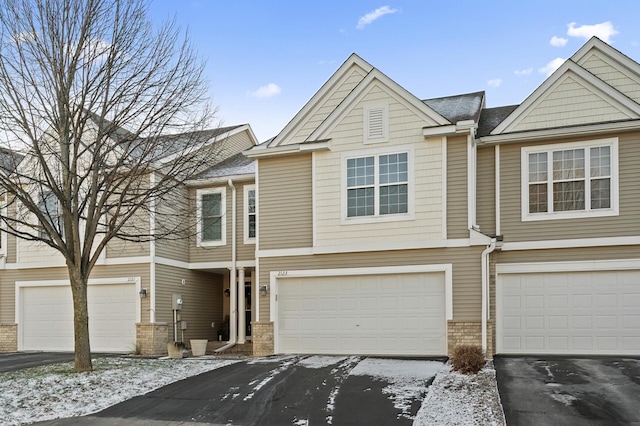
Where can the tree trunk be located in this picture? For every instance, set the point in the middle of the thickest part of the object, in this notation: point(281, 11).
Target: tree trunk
point(82, 359)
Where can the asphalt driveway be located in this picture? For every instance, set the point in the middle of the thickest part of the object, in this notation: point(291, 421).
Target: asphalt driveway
point(18, 360)
point(283, 390)
point(569, 390)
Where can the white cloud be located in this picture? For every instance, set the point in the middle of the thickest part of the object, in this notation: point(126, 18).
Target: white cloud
point(603, 31)
point(372, 16)
point(496, 82)
point(267, 91)
point(558, 41)
point(520, 73)
point(552, 66)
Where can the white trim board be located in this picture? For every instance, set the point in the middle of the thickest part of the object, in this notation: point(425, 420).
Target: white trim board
point(571, 243)
point(573, 266)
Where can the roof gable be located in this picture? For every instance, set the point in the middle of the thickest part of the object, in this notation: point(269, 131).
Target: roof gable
point(571, 96)
point(375, 78)
point(353, 70)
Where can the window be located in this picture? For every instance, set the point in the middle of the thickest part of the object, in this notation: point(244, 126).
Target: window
point(211, 208)
point(250, 214)
point(375, 122)
point(570, 180)
point(49, 206)
point(377, 185)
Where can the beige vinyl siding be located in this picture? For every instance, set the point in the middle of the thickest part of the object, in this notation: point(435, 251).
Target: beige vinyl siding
point(457, 193)
point(333, 99)
point(569, 254)
point(601, 66)
point(284, 202)
point(486, 190)
point(214, 253)
point(174, 247)
point(626, 224)
point(12, 245)
point(234, 144)
point(202, 301)
point(117, 248)
point(570, 104)
point(425, 177)
point(466, 271)
point(8, 278)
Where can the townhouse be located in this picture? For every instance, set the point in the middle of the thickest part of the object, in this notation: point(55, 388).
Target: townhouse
point(380, 223)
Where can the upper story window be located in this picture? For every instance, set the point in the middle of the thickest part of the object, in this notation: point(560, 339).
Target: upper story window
point(50, 208)
point(376, 123)
point(250, 214)
point(211, 224)
point(377, 185)
point(570, 180)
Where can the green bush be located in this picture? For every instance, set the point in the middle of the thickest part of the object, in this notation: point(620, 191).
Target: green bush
point(467, 359)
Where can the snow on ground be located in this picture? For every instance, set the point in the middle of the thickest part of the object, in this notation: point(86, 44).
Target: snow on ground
point(408, 380)
point(459, 400)
point(320, 361)
point(55, 391)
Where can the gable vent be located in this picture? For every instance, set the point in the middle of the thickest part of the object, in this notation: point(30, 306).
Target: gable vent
point(375, 123)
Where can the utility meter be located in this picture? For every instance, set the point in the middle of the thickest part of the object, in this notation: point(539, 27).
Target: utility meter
point(177, 302)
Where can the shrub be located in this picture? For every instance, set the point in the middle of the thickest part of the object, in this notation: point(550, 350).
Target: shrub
point(467, 359)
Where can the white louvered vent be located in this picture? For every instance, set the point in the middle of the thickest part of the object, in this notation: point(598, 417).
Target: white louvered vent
point(375, 124)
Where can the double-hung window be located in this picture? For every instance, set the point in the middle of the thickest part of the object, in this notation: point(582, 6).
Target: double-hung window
point(570, 180)
point(250, 214)
point(50, 208)
point(211, 209)
point(377, 185)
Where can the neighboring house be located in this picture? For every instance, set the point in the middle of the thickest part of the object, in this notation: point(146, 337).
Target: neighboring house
point(392, 225)
point(378, 223)
point(134, 287)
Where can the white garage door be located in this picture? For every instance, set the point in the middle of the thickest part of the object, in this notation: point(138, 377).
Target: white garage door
point(569, 313)
point(47, 318)
point(400, 314)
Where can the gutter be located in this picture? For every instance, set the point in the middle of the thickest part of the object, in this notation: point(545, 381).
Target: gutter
point(485, 291)
point(233, 286)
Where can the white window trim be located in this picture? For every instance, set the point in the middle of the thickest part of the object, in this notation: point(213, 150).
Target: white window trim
point(245, 219)
point(410, 215)
point(366, 109)
point(199, 194)
point(524, 191)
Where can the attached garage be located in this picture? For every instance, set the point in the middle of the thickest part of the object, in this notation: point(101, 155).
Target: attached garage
point(352, 312)
point(45, 316)
point(576, 312)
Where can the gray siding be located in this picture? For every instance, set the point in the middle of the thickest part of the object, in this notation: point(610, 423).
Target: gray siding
point(486, 190)
point(285, 213)
point(626, 224)
point(466, 271)
point(457, 194)
point(202, 295)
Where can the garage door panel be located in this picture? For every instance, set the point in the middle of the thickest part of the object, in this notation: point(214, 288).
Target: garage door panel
point(573, 312)
point(46, 318)
point(387, 314)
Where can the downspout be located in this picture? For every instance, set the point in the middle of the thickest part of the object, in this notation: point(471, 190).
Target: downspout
point(233, 286)
point(485, 291)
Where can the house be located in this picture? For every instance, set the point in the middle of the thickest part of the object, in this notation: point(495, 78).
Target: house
point(142, 294)
point(380, 223)
point(392, 225)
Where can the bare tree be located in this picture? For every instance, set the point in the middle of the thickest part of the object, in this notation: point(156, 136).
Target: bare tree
point(107, 112)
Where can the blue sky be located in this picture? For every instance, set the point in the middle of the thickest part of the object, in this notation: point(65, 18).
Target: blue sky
point(265, 59)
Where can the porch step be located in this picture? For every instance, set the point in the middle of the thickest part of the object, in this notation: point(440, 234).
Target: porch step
point(238, 348)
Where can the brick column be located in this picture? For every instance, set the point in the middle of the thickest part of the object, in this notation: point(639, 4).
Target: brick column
point(262, 334)
point(8, 337)
point(463, 333)
point(151, 339)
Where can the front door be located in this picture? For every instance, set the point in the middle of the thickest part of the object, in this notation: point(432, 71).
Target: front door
point(247, 304)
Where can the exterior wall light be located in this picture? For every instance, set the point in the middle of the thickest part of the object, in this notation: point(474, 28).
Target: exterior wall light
point(227, 292)
point(264, 290)
point(143, 293)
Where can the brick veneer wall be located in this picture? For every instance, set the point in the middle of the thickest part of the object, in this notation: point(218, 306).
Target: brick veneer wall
point(8, 337)
point(470, 333)
point(262, 335)
point(151, 339)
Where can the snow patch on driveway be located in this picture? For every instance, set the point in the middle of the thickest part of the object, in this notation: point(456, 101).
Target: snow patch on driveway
point(407, 380)
point(321, 361)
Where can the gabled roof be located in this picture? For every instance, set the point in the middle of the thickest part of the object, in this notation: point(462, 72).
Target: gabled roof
point(316, 101)
point(400, 93)
point(458, 107)
point(235, 165)
point(491, 117)
point(9, 160)
point(598, 102)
